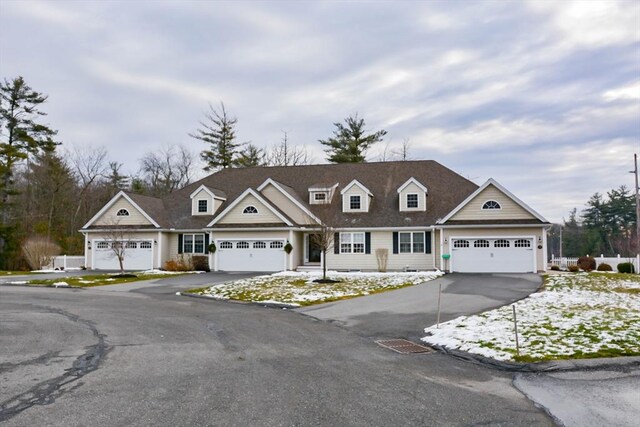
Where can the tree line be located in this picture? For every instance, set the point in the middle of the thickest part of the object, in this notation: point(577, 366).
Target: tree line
point(606, 226)
point(50, 191)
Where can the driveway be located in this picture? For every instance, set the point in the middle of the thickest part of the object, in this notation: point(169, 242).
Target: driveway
point(404, 313)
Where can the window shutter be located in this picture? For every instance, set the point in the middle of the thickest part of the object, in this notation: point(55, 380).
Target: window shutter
point(179, 243)
point(427, 242)
point(336, 243)
point(206, 243)
point(367, 243)
point(395, 242)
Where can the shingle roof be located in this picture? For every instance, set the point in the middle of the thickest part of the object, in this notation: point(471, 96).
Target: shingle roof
point(446, 190)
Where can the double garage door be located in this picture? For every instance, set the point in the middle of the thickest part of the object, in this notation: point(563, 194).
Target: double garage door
point(492, 255)
point(251, 255)
point(138, 255)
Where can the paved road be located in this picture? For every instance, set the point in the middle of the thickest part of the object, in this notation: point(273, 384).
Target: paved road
point(148, 357)
point(406, 312)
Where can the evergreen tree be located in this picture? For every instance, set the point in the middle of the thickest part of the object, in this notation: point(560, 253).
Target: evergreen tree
point(218, 130)
point(350, 143)
point(251, 156)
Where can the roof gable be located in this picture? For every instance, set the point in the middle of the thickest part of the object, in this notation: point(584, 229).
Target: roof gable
point(414, 181)
point(488, 191)
point(358, 184)
point(214, 193)
point(290, 194)
point(254, 195)
point(129, 203)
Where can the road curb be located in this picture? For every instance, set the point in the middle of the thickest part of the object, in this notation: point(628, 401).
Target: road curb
point(549, 366)
point(259, 304)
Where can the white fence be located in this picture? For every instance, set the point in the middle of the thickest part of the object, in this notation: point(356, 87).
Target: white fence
point(565, 262)
point(65, 262)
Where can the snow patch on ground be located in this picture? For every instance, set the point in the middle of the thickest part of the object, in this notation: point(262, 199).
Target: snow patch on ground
point(576, 314)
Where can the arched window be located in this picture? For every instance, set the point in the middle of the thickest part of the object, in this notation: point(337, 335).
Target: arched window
point(226, 245)
point(461, 244)
point(102, 245)
point(522, 243)
point(276, 245)
point(250, 210)
point(491, 204)
point(242, 245)
point(145, 245)
point(501, 243)
point(481, 243)
point(259, 245)
point(122, 212)
point(131, 245)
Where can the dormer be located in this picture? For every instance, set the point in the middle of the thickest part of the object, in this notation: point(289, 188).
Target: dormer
point(320, 194)
point(412, 196)
point(206, 200)
point(356, 197)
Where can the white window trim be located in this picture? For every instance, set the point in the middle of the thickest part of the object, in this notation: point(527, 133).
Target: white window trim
point(244, 211)
point(206, 207)
point(193, 243)
point(352, 243)
point(417, 201)
point(411, 233)
point(482, 208)
point(123, 210)
point(351, 197)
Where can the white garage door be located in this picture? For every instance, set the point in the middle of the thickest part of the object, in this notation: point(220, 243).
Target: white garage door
point(492, 255)
point(251, 255)
point(138, 255)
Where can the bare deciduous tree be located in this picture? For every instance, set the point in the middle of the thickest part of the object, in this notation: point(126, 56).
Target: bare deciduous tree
point(167, 169)
point(402, 153)
point(284, 154)
point(119, 240)
point(323, 234)
point(39, 251)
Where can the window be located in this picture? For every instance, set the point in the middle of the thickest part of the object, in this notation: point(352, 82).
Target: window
point(412, 200)
point(276, 245)
point(242, 245)
point(501, 243)
point(522, 243)
point(320, 196)
point(411, 242)
point(481, 244)
point(226, 245)
point(122, 212)
point(202, 206)
point(491, 204)
point(131, 245)
point(460, 243)
point(352, 243)
point(354, 203)
point(193, 243)
point(250, 210)
point(259, 245)
point(102, 245)
point(145, 245)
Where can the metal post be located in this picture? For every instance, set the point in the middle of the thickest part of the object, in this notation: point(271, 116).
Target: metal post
point(439, 293)
point(515, 325)
point(561, 225)
point(635, 172)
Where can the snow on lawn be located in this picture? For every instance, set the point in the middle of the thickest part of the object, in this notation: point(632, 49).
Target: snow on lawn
point(299, 288)
point(577, 316)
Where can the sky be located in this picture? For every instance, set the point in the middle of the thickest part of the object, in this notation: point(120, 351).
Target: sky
point(542, 96)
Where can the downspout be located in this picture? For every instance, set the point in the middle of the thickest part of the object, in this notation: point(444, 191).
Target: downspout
point(86, 248)
point(159, 249)
point(441, 248)
point(544, 249)
point(290, 255)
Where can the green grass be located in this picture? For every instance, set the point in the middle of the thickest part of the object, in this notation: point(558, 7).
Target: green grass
point(97, 280)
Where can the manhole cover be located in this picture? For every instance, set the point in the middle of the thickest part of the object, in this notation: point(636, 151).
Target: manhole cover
point(403, 346)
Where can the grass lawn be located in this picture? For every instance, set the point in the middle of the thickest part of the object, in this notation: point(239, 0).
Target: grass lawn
point(98, 279)
point(577, 315)
point(15, 273)
point(298, 289)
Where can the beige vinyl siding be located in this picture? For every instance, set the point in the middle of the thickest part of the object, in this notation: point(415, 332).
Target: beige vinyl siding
point(355, 191)
point(211, 203)
point(297, 253)
point(287, 206)
point(412, 188)
point(535, 232)
point(436, 248)
point(93, 237)
point(510, 209)
point(135, 216)
point(264, 215)
point(381, 239)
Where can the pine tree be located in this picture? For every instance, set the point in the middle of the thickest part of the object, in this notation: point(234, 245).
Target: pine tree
point(251, 156)
point(350, 143)
point(218, 130)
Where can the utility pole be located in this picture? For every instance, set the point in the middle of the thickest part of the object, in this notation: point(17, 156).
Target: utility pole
point(635, 172)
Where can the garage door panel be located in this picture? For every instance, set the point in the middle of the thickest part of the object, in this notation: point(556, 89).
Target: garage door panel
point(499, 255)
point(138, 255)
point(251, 255)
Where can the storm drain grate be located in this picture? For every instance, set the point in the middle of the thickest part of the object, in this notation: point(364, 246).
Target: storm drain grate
point(403, 346)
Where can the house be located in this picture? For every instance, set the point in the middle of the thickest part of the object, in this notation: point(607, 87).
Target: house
point(425, 215)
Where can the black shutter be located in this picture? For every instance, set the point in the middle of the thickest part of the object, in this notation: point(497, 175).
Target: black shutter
point(336, 243)
point(179, 243)
point(367, 243)
point(206, 243)
point(395, 242)
point(427, 242)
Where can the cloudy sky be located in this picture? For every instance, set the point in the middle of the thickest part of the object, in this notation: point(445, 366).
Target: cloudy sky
point(543, 96)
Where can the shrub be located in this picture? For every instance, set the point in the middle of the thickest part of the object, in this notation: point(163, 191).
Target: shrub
point(179, 264)
point(200, 263)
point(39, 251)
point(573, 268)
point(604, 267)
point(626, 267)
point(555, 267)
point(587, 263)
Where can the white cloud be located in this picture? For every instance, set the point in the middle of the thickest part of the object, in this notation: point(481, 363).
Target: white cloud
point(631, 92)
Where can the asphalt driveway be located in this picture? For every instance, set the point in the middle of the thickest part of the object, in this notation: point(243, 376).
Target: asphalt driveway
point(404, 313)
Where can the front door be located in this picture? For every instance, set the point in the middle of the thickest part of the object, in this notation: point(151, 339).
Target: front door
point(313, 249)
